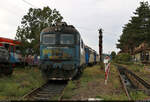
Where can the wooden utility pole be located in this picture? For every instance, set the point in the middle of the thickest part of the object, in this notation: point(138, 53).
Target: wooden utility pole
point(100, 43)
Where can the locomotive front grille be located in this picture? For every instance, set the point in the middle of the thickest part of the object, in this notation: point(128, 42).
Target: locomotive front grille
point(59, 73)
point(68, 67)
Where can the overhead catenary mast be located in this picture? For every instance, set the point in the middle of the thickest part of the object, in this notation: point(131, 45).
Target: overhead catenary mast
point(100, 43)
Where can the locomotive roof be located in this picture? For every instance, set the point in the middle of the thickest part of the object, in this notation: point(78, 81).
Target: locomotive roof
point(69, 29)
point(90, 48)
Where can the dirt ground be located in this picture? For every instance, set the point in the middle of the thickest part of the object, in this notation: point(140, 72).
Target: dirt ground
point(95, 87)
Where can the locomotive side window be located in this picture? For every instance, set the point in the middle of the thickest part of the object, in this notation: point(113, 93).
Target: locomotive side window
point(49, 38)
point(66, 39)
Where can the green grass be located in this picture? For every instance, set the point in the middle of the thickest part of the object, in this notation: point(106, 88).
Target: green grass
point(133, 67)
point(138, 95)
point(96, 75)
point(122, 62)
point(88, 75)
point(91, 74)
point(69, 90)
point(112, 91)
point(136, 68)
point(19, 83)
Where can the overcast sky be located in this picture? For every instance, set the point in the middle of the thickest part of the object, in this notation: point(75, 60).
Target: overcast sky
point(86, 15)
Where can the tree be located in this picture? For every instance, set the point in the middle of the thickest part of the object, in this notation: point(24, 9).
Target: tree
point(32, 24)
point(113, 54)
point(137, 30)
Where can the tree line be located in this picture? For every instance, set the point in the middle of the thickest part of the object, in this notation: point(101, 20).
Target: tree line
point(137, 30)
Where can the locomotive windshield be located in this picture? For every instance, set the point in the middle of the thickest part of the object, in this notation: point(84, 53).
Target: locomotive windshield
point(66, 39)
point(49, 38)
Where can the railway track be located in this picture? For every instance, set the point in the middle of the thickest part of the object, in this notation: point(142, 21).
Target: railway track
point(132, 82)
point(52, 90)
point(124, 86)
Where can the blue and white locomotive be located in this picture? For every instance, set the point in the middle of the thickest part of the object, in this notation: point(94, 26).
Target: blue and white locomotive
point(62, 52)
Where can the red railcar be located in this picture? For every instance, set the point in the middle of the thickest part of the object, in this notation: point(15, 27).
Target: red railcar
point(8, 55)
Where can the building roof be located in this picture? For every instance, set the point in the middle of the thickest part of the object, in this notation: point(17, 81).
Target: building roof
point(143, 46)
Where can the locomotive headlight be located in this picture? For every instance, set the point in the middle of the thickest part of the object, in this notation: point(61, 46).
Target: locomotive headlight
point(57, 29)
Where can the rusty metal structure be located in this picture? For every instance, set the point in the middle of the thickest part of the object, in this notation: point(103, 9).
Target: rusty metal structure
point(100, 43)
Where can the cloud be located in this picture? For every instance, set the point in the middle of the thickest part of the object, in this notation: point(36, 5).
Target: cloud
point(86, 15)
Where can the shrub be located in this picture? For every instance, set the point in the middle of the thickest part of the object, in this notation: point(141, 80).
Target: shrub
point(125, 57)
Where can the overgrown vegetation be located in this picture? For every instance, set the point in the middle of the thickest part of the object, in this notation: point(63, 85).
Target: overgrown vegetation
point(136, 68)
point(113, 54)
point(68, 91)
point(21, 82)
point(89, 75)
point(91, 85)
point(123, 58)
point(138, 95)
point(140, 70)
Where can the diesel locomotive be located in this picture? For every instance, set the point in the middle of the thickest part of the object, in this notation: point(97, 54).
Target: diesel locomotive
point(63, 54)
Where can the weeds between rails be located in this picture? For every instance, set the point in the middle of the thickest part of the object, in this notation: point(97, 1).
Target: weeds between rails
point(52, 90)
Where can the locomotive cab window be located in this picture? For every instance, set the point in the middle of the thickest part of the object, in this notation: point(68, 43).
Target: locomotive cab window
point(49, 38)
point(66, 39)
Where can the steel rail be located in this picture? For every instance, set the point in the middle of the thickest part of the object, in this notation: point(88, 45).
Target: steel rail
point(46, 92)
point(142, 81)
point(124, 86)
